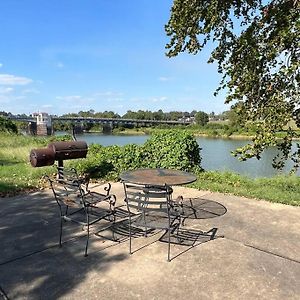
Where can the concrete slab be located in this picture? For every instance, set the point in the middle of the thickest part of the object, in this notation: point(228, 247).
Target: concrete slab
point(258, 258)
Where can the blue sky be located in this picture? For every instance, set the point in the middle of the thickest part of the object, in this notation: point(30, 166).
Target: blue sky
point(72, 55)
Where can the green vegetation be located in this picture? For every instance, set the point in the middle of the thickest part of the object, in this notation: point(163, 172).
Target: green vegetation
point(257, 50)
point(167, 149)
point(7, 125)
point(16, 173)
point(280, 189)
point(201, 118)
point(212, 129)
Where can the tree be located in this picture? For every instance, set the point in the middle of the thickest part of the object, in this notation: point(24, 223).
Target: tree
point(201, 118)
point(7, 125)
point(158, 115)
point(257, 50)
point(236, 116)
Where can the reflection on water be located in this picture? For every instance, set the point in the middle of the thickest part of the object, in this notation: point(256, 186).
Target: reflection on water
point(215, 153)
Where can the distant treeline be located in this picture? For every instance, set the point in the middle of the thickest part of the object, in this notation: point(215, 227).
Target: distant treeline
point(139, 115)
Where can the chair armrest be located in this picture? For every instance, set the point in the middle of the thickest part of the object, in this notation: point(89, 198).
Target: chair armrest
point(95, 197)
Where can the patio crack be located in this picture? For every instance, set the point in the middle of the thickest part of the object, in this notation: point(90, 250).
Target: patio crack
point(264, 250)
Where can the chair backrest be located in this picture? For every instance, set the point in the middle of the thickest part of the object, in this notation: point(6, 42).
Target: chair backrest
point(70, 176)
point(67, 193)
point(141, 198)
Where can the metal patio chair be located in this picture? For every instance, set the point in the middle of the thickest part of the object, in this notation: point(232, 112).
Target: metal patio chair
point(151, 207)
point(71, 176)
point(80, 205)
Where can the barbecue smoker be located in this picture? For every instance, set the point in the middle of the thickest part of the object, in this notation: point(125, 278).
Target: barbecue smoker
point(58, 151)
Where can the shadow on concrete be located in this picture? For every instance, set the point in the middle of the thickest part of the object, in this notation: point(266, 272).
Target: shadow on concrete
point(31, 263)
point(33, 266)
point(199, 208)
point(195, 208)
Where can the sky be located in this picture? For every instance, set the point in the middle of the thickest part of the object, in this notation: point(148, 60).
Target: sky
point(66, 56)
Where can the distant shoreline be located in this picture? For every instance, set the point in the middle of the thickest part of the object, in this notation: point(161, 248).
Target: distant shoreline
point(205, 135)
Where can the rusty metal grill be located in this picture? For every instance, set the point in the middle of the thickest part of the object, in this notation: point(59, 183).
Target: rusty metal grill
point(58, 151)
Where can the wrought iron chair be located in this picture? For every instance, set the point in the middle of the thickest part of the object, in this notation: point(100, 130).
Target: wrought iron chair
point(80, 205)
point(151, 207)
point(71, 176)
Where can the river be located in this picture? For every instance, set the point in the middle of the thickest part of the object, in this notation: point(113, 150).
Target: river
point(215, 153)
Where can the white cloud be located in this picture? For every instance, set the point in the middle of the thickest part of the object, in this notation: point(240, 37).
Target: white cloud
point(1, 65)
point(30, 91)
point(47, 106)
point(76, 100)
point(6, 94)
point(69, 98)
point(109, 94)
point(6, 90)
point(20, 97)
point(7, 79)
point(160, 99)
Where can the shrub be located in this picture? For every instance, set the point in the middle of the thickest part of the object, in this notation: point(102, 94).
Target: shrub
point(172, 149)
point(7, 126)
point(169, 149)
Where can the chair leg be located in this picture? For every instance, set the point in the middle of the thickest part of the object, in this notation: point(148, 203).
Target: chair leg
point(60, 233)
point(169, 244)
point(130, 252)
point(88, 234)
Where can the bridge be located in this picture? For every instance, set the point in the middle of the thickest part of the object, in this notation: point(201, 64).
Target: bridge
point(107, 123)
point(104, 120)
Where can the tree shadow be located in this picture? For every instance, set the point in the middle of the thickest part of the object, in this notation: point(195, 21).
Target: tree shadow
point(31, 263)
point(33, 266)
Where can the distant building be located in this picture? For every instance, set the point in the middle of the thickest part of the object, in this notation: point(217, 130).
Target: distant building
point(43, 123)
point(187, 119)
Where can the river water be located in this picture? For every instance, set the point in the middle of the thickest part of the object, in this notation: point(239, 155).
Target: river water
point(215, 153)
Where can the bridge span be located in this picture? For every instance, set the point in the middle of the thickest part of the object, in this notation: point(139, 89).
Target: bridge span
point(44, 120)
point(120, 121)
point(104, 120)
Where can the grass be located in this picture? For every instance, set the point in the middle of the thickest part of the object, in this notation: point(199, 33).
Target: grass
point(280, 189)
point(17, 175)
point(16, 172)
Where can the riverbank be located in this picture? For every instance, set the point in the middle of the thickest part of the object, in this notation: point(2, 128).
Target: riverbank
point(219, 133)
point(17, 175)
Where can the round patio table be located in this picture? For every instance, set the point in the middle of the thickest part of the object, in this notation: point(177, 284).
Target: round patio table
point(158, 177)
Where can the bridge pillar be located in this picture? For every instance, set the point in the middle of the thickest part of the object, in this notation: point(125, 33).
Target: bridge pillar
point(43, 124)
point(77, 128)
point(32, 128)
point(107, 128)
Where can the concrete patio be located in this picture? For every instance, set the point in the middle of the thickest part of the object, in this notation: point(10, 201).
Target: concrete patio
point(255, 255)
